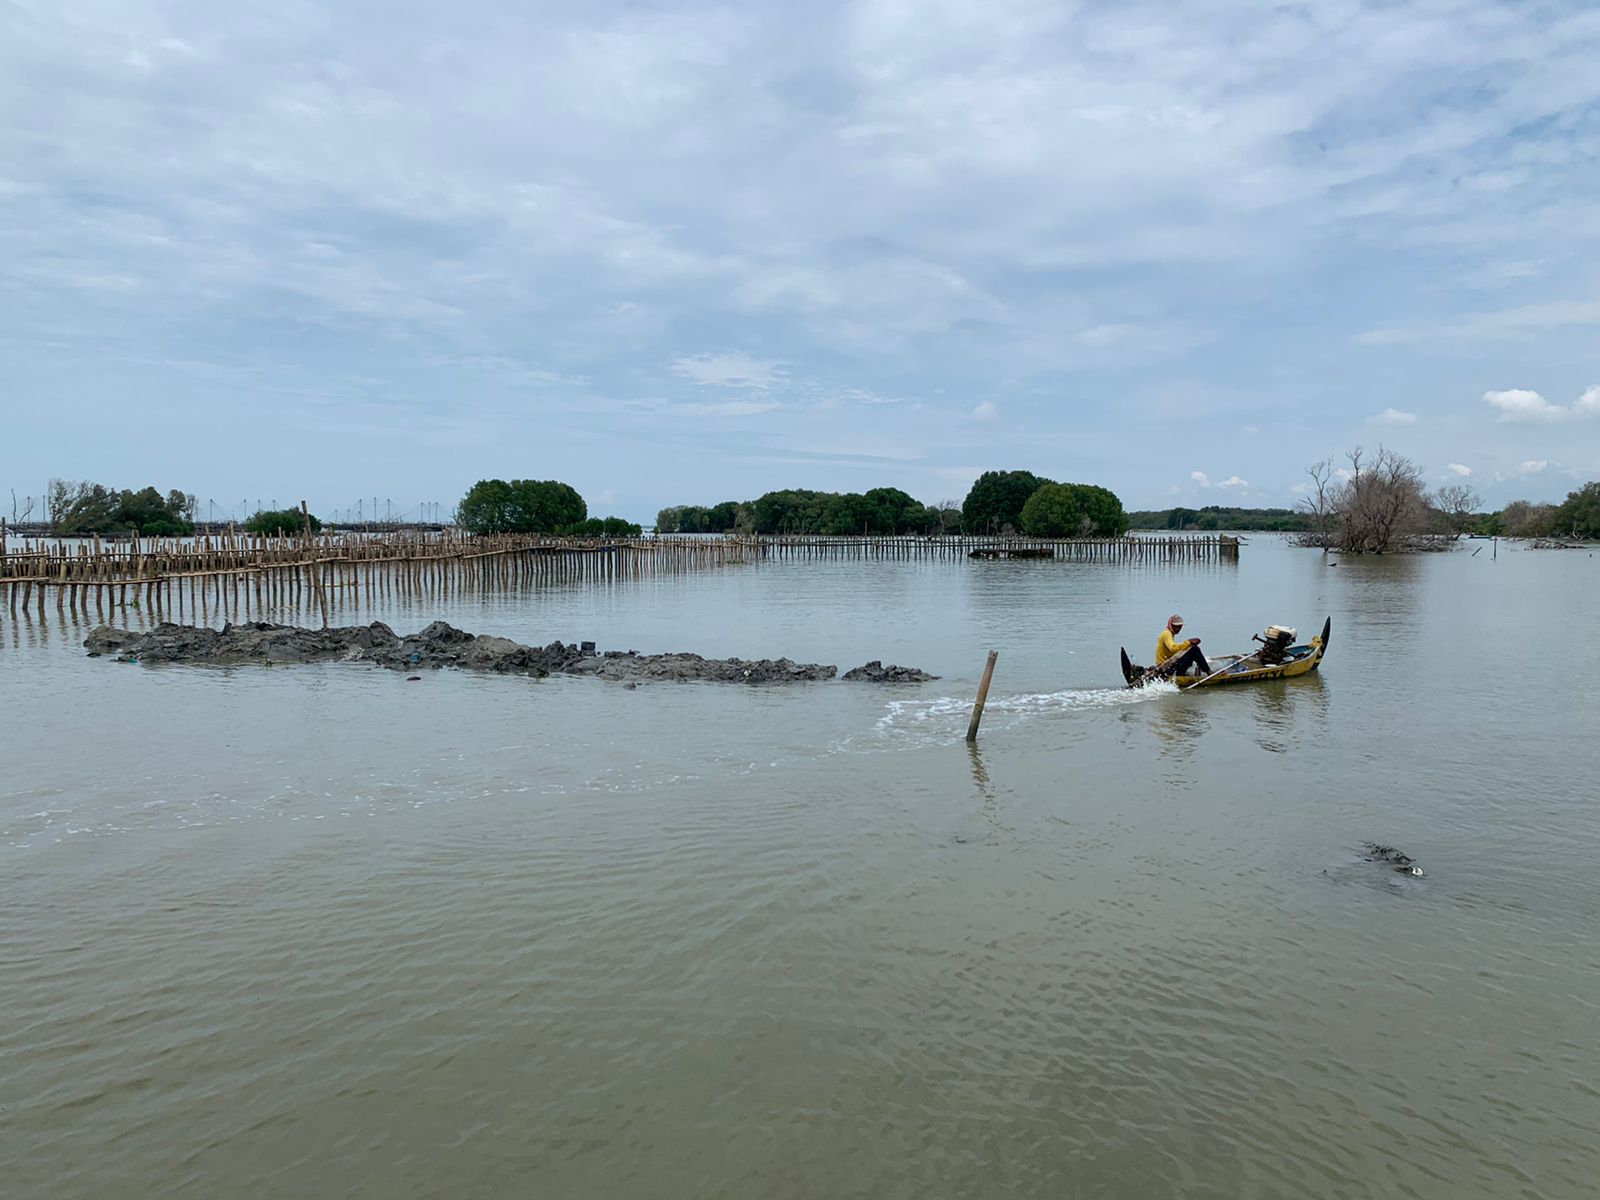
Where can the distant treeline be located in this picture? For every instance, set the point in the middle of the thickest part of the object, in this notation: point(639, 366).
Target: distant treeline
point(1213, 516)
point(798, 510)
point(1448, 511)
point(999, 502)
point(1578, 516)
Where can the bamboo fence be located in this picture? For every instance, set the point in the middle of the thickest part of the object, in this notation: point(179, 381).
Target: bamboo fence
point(235, 572)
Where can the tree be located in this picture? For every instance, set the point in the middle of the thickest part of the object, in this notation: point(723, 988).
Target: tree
point(995, 502)
point(1054, 510)
point(720, 518)
point(1073, 510)
point(894, 511)
point(1579, 515)
point(1522, 519)
point(1380, 503)
point(520, 506)
point(1102, 509)
point(1317, 505)
point(280, 522)
point(1456, 503)
point(80, 508)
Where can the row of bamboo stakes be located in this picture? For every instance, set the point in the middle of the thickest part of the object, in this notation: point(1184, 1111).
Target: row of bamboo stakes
point(242, 572)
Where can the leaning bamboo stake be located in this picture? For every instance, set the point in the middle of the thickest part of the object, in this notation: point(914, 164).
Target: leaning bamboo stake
point(983, 696)
point(322, 595)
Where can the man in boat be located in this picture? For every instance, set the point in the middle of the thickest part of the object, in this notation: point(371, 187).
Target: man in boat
point(1175, 657)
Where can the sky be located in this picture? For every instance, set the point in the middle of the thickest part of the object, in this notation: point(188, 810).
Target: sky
point(682, 253)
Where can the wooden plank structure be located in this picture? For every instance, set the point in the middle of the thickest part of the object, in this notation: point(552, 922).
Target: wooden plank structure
point(236, 573)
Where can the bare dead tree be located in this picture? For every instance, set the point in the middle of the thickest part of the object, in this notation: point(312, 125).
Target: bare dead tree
point(1456, 503)
point(1381, 503)
point(1318, 505)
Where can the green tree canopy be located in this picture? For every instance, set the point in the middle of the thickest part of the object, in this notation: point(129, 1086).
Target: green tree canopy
point(1054, 510)
point(696, 518)
point(1102, 509)
point(521, 506)
point(1073, 510)
point(996, 500)
point(278, 522)
point(1579, 514)
point(78, 508)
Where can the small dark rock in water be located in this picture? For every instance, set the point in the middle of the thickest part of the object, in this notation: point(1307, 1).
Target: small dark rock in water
point(413, 678)
point(1401, 861)
point(876, 672)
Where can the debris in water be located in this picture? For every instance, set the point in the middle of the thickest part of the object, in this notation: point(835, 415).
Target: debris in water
point(1399, 859)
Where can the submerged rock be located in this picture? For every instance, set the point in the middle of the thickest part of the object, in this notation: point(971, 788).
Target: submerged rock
point(438, 645)
point(876, 672)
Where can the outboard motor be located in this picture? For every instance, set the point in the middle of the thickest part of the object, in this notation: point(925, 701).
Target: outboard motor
point(1275, 644)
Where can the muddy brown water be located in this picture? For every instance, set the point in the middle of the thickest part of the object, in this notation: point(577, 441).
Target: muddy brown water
point(321, 931)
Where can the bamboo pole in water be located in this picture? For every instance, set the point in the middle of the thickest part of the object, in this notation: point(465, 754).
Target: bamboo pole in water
point(983, 697)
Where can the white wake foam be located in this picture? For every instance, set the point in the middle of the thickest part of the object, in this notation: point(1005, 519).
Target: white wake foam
point(927, 715)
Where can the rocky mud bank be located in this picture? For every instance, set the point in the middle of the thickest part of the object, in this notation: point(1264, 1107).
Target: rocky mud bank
point(443, 645)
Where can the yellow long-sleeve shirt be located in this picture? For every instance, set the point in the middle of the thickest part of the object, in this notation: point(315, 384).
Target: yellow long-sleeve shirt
point(1167, 646)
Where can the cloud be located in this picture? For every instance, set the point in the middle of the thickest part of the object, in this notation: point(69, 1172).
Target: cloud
point(730, 370)
point(1534, 465)
point(1233, 481)
point(1205, 481)
point(1393, 416)
point(1201, 478)
point(1520, 404)
point(1520, 323)
point(501, 225)
point(1459, 469)
point(985, 411)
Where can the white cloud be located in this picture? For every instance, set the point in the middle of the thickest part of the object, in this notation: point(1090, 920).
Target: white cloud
point(986, 411)
point(1534, 465)
point(1459, 469)
point(730, 370)
point(1252, 430)
point(1393, 416)
point(1520, 404)
point(1205, 481)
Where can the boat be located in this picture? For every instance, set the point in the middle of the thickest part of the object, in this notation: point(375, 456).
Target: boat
point(1278, 658)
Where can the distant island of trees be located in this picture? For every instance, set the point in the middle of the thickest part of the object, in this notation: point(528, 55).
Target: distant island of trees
point(1218, 517)
point(999, 502)
point(75, 509)
point(534, 506)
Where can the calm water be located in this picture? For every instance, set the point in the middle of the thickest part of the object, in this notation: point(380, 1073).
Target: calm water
point(321, 932)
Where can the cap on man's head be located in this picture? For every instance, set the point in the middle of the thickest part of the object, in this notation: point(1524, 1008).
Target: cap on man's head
point(1175, 621)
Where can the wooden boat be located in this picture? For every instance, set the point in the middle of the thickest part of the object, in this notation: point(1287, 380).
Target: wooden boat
point(1239, 668)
